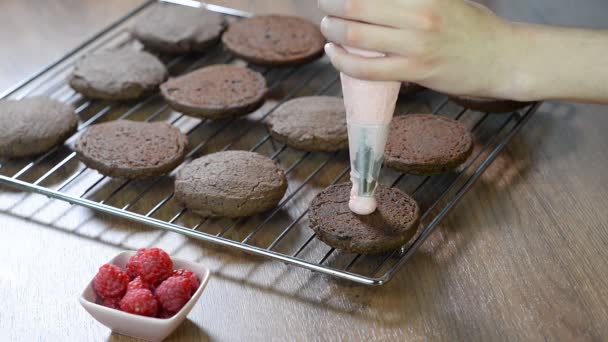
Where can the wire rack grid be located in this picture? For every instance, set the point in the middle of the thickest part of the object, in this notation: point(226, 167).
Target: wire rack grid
point(281, 234)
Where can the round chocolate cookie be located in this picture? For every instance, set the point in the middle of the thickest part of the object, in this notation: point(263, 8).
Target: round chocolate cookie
point(312, 123)
point(230, 184)
point(131, 149)
point(427, 144)
point(179, 29)
point(274, 40)
point(409, 88)
point(122, 74)
point(392, 225)
point(216, 91)
point(481, 104)
point(34, 125)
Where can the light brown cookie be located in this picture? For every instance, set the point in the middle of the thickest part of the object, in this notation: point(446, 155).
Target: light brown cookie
point(230, 184)
point(34, 125)
point(131, 149)
point(179, 29)
point(122, 74)
point(274, 40)
point(216, 91)
point(312, 123)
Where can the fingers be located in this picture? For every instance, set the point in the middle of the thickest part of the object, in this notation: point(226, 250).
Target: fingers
point(390, 68)
point(369, 37)
point(393, 13)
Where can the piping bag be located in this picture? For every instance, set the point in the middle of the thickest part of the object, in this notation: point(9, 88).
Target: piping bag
point(369, 111)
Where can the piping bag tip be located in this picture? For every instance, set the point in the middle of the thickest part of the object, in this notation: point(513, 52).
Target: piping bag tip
point(362, 205)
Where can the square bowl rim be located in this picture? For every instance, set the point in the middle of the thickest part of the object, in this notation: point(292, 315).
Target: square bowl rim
point(145, 319)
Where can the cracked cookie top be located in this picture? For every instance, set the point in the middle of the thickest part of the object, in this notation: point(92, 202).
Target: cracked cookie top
point(230, 184)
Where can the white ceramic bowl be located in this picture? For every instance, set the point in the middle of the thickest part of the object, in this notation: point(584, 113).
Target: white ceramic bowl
point(148, 328)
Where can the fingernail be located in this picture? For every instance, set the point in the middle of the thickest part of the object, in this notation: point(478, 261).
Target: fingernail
point(324, 24)
point(329, 50)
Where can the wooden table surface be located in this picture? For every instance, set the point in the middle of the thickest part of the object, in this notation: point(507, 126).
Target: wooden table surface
point(523, 257)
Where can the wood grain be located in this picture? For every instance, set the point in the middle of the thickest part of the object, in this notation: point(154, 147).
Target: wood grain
point(523, 256)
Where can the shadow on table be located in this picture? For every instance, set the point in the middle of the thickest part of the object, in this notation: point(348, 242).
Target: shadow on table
point(187, 330)
point(511, 166)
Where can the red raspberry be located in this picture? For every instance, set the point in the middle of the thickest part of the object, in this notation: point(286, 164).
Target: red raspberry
point(112, 303)
point(165, 314)
point(173, 293)
point(194, 283)
point(137, 283)
point(153, 265)
point(110, 282)
point(139, 302)
point(133, 262)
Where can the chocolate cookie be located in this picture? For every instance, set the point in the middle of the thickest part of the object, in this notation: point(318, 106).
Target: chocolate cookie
point(274, 40)
point(313, 123)
point(122, 74)
point(216, 91)
point(179, 29)
point(391, 226)
point(34, 125)
point(481, 104)
point(230, 184)
point(427, 144)
point(131, 149)
point(409, 88)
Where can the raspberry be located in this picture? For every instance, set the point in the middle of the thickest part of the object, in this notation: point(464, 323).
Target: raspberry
point(110, 282)
point(112, 303)
point(165, 314)
point(139, 302)
point(173, 293)
point(194, 283)
point(153, 265)
point(137, 283)
point(133, 262)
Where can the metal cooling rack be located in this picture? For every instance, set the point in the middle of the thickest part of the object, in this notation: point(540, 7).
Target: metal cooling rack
point(281, 234)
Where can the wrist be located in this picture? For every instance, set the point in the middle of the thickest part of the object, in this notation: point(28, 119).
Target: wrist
point(516, 79)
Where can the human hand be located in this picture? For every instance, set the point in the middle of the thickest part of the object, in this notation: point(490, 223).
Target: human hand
point(452, 46)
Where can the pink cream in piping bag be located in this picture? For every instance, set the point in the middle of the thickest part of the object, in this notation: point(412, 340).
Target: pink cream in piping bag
point(369, 111)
